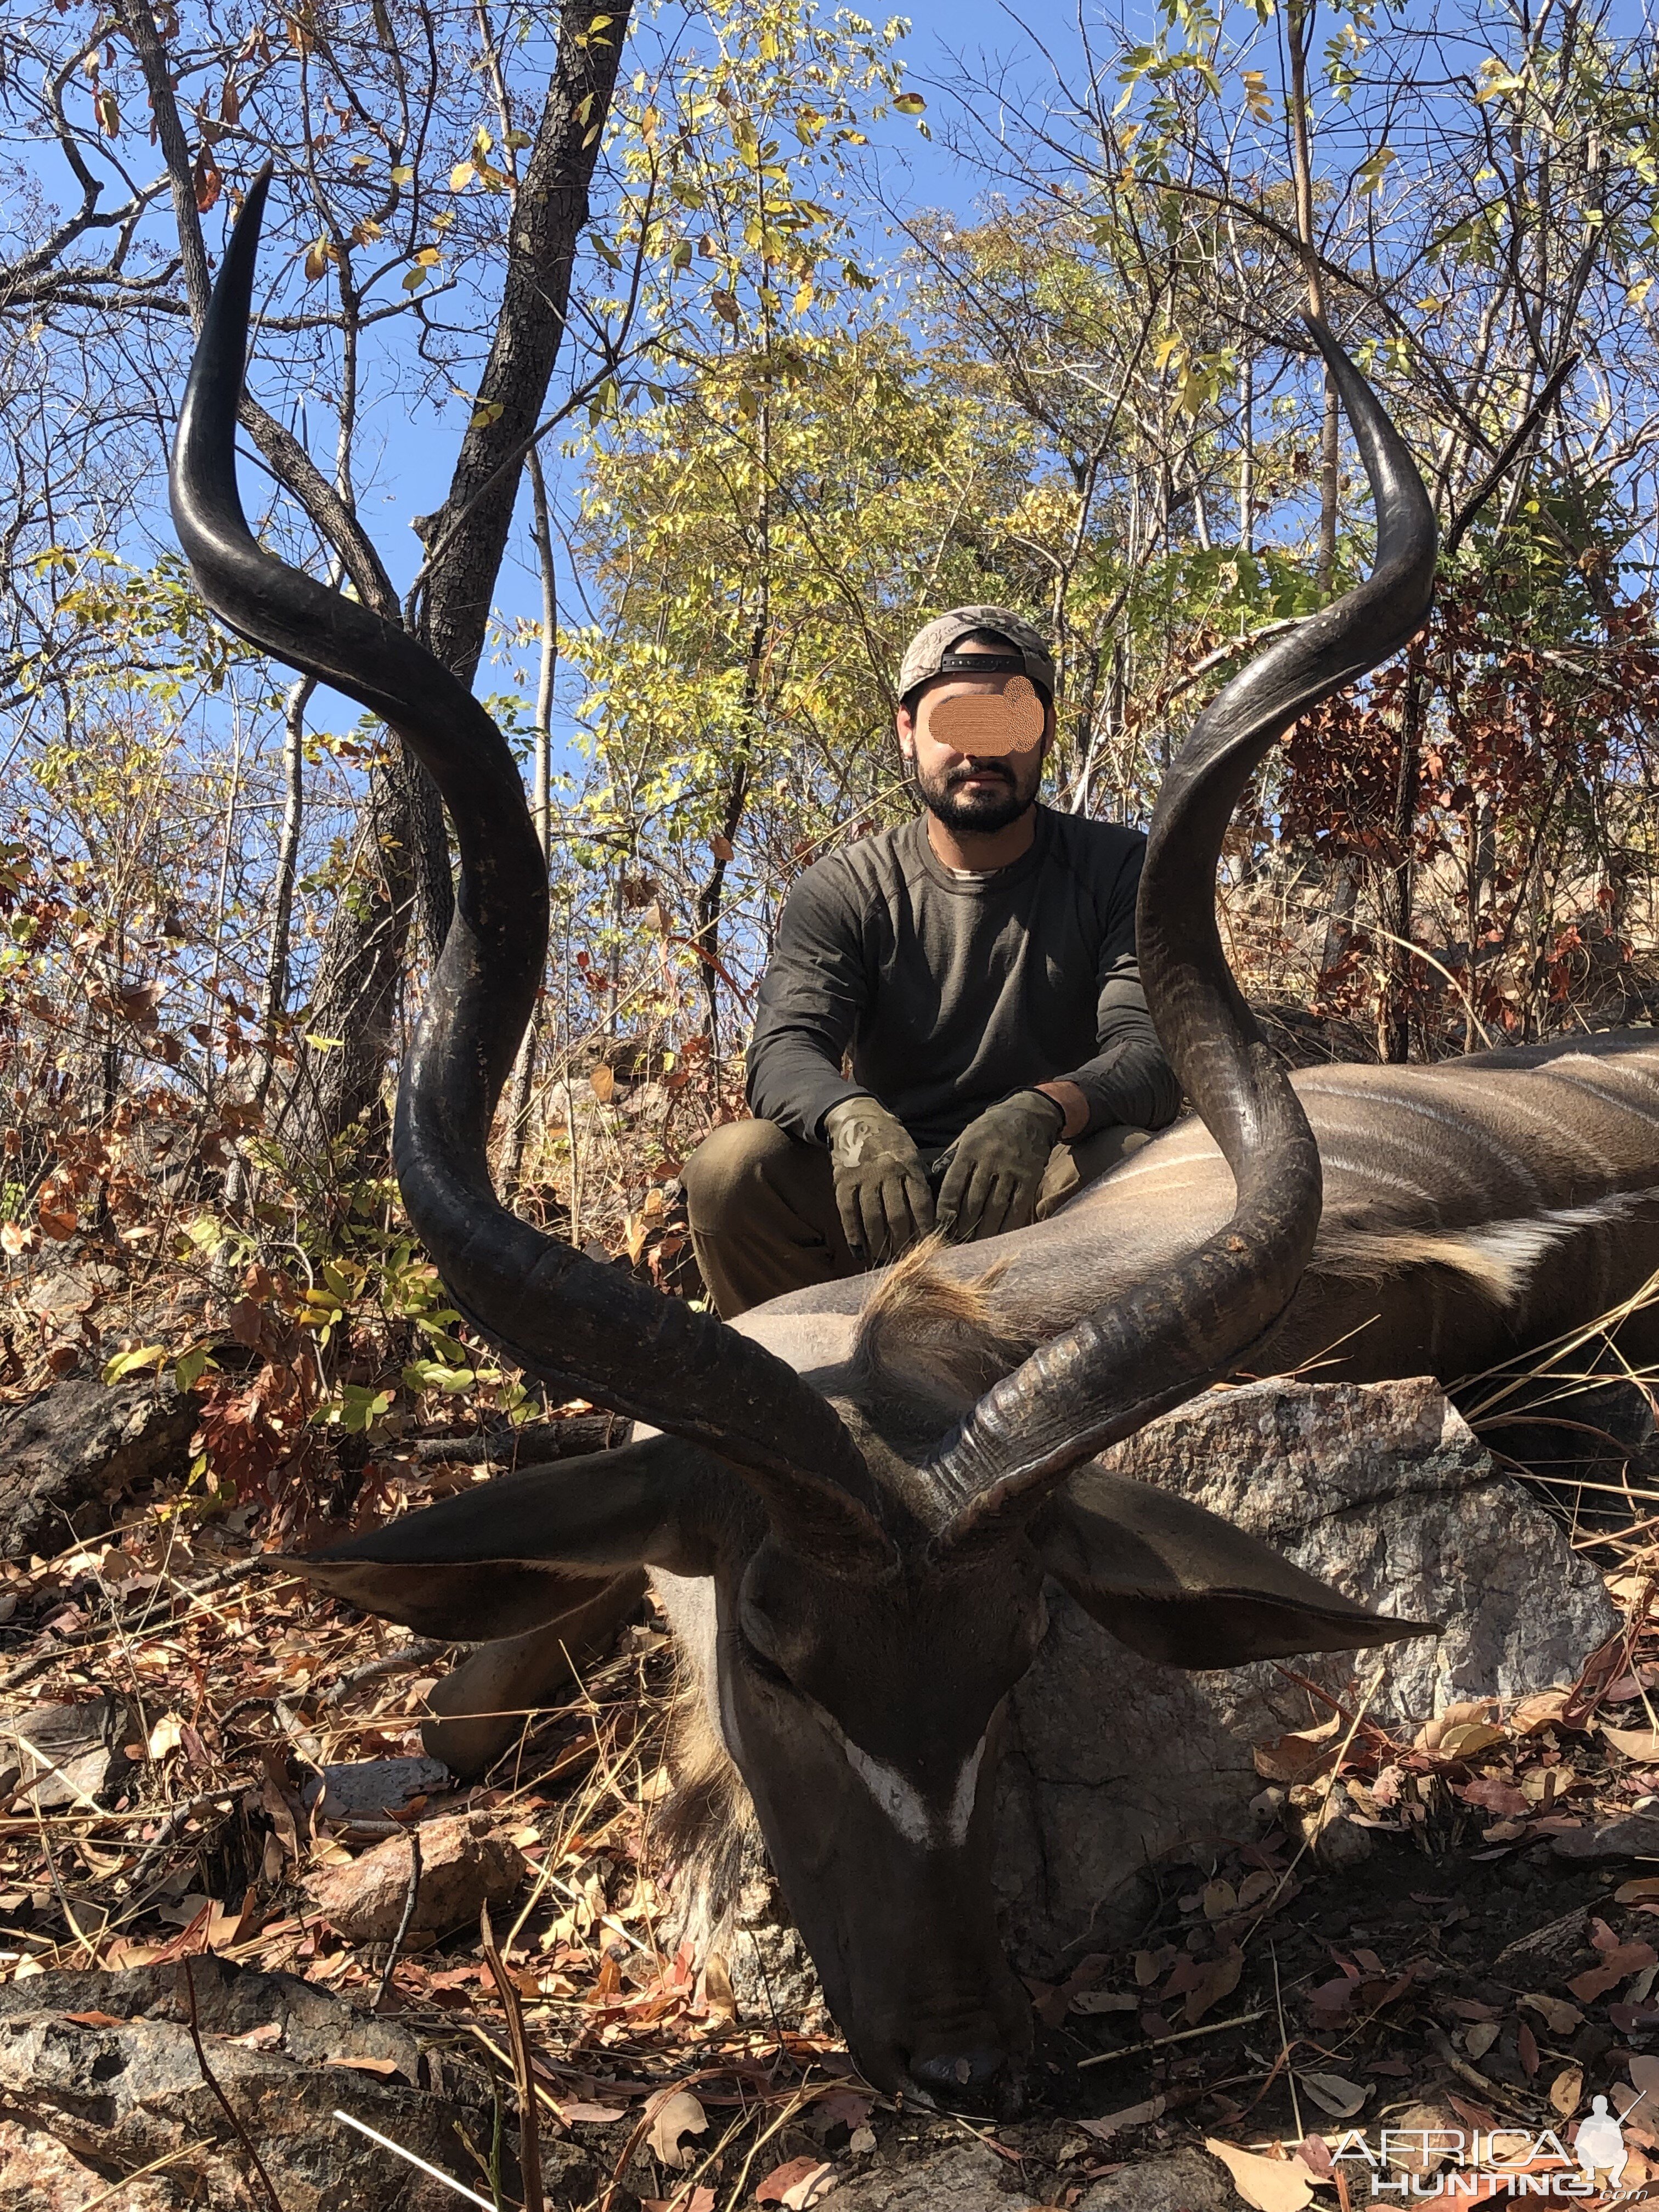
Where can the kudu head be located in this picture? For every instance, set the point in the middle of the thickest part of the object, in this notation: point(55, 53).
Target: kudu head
point(871, 1543)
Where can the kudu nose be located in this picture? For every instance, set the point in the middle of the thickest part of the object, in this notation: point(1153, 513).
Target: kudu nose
point(978, 2078)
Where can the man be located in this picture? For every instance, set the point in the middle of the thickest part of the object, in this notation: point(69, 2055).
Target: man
point(979, 962)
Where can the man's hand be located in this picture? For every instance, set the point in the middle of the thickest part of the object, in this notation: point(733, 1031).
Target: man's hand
point(881, 1185)
point(994, 1171)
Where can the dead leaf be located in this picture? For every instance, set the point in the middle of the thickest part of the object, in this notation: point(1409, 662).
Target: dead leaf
point(1596, 1981)
point(593, 2116)
point(99, 2020)
point(1220, 1898)
point(1131, 2115)
point(165, 1735)
point(1338, 2096)
point(1270, 2184)
point(679, 2114)
point(1557, 2015)
point(1644, 2073)
point(266, 2037)
point(1296, 1757)
point(384, 2066)
point(1478, 2039)
point(1645, 1892)
point(1635, 1743)
point(720, 847)
point(717, 1989)
point(1468, 1739)
point(1526, 2044)
point(1105, 2000)
point(800, 2182)
point(1215, 1980)
point(603, 1083)
point(1566, 2089)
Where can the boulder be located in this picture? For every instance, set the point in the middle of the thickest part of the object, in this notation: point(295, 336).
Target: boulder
point(464, 1866)
point(66, 1456)
point(1379, 1489)
point(1181, 2181)
point(101, 2078)
point(69, 1754)
point(958, 2177)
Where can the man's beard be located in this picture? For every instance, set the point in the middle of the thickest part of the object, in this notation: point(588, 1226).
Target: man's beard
point(983, 812)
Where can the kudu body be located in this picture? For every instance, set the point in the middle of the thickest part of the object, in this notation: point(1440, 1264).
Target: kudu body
point(851, 1505)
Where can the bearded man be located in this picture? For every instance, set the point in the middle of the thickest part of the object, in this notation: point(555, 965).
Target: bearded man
point(977, 965)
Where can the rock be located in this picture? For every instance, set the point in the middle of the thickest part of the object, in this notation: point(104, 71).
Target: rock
point(1182, 2181)
point(464, 1865)
point(1379, 1489)
point(961, 2178)
point(67, 1455)
point(1547, 1954)
point(1635, 1837)
point(121, 2087)
point(69, 1754)
point(374, 1788)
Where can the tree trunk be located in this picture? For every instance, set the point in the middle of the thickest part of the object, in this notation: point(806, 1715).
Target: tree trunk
point(405, 847)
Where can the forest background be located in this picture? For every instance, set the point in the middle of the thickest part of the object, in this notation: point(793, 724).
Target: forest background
point(722, 344)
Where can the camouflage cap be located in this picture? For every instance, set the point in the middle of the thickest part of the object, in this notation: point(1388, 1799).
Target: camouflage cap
point(924, 654)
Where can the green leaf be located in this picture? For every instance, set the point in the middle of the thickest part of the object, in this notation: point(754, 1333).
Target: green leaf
point(129, 1363)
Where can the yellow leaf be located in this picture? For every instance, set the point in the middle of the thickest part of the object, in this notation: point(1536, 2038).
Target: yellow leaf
point(1638, 293)
point(316, 259)
point(404, 173)
point(461, 176)
point(910, 103)
point(489, 411)
point(1468, 1738)
point(1167, 350)
point(1270, 2184)
point(165, 1735)
point(1566, 2089)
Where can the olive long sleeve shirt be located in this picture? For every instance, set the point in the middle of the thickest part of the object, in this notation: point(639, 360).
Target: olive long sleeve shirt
point(951, 991)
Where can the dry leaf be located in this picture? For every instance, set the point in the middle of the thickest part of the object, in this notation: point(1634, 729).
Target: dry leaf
point(795, 2185)
point(1338, 2096)
point(1644, 2073)
point(1566, 2089)
point(1596, 1981)
point(603, 1082)
point(1478, 2039)
point(1538, 1711)
point(1214, 1981)
point(679, 2114)
point(1526, 2044)
point(1105, 2000)
point(1467, 1739)
point(717, 1990)
point(1557, 2015)
point(384, 2066)
point(1220, 1898)
point(1635, 1743)
point(1294, 1757)
point(164, 1737)
point(1645, 1892)
point(593, 2116)
point(1131, 2115)
point(1270, 2184)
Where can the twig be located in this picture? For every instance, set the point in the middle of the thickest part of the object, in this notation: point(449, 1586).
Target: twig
point(177, 1820)
point(408, 1915)
point(96, 1630)
point(389, 1663)
point(397, 2151)
point(228, 2109)
point(1285, 2044)
point(1181, 2035)
point(529, 2133)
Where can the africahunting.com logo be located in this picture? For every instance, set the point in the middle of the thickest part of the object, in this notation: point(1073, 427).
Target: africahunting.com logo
point(1481, 2166)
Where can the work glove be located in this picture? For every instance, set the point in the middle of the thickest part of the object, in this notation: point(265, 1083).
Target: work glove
point(881, 1185)
point(994, 1171)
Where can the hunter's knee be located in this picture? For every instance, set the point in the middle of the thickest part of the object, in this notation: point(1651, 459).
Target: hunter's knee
point(731, 1168)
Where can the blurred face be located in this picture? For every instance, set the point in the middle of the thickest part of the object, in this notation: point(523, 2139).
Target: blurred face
point(976, 745)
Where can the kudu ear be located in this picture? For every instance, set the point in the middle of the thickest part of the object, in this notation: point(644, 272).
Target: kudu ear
point(521, 1551)
point(1178, 1583)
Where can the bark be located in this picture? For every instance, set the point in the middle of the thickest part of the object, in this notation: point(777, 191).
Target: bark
point(1299, 39)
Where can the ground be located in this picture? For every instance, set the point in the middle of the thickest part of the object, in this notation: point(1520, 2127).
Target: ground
point(203, 1759)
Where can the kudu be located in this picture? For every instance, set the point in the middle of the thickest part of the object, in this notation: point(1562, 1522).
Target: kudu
point(850, 1503)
